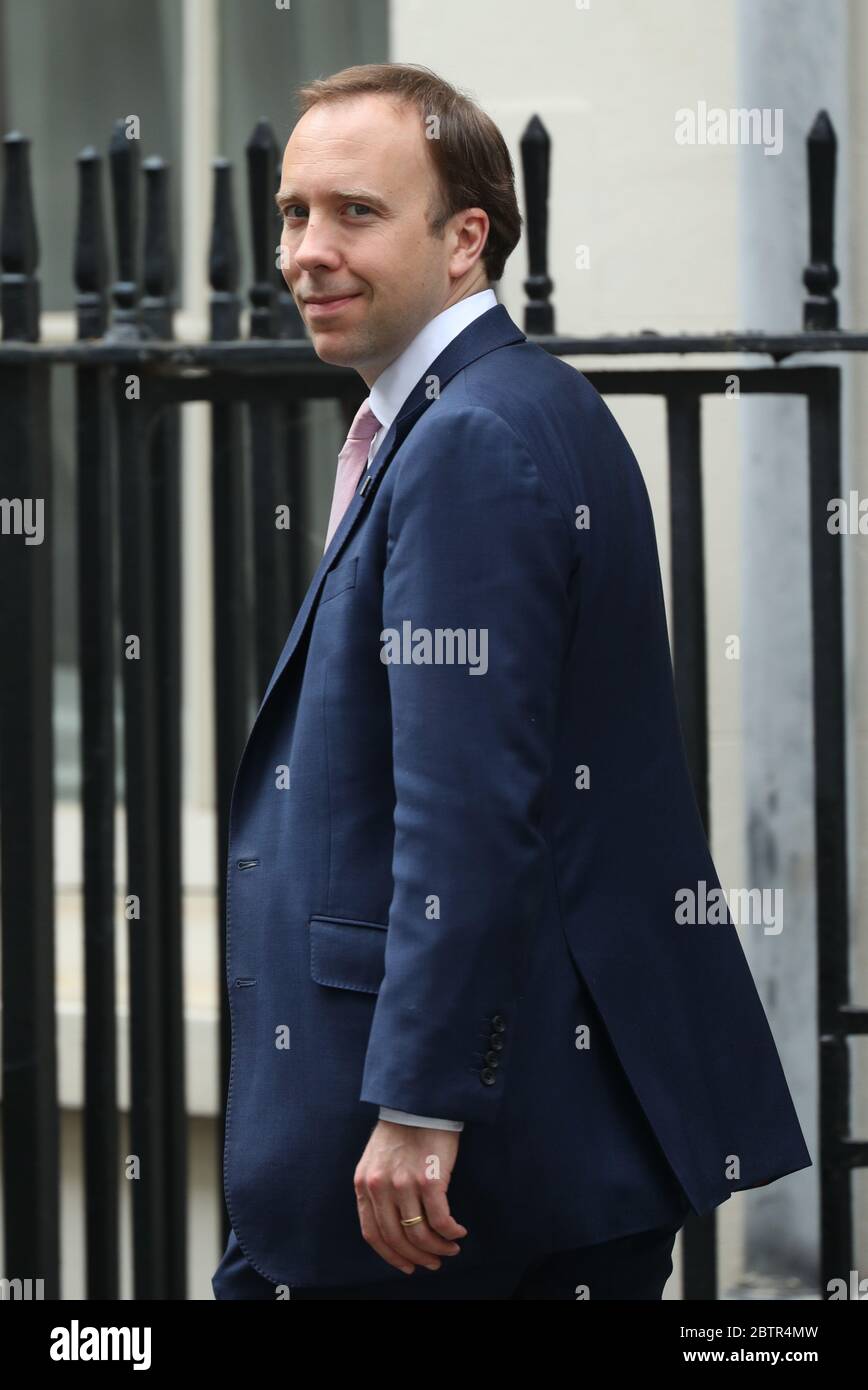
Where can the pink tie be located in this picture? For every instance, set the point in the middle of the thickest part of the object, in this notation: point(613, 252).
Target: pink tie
point(351, 461)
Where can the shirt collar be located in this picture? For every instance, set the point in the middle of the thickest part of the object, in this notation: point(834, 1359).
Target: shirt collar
point(396, 381)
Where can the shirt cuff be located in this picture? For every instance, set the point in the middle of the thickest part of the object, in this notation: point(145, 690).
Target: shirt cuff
point(403, 1117)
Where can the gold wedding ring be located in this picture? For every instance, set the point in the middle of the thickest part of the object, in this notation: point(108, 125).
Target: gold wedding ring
point(411, 1220)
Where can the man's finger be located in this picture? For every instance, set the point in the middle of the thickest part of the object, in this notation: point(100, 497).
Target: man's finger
point(440, 1218)
point(386, 1213)
point(422, 1234)
point(371, 1233)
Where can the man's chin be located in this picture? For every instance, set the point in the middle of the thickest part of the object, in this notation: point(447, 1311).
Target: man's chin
point(334, 349)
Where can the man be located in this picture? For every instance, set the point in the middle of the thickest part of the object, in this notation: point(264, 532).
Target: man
point(476, 1051)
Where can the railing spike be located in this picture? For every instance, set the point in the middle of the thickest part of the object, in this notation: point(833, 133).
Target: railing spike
point(821, 276)
point(19, 245)
point(90, 260)
point(539, 314)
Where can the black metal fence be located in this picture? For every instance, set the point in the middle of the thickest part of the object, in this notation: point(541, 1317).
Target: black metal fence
point(130, 379)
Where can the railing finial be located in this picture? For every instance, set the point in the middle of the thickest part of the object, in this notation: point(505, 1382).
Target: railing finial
point(821, 276)
point(19, 245)
point(124, 162)
point(90, 260)
point(159, 263)
point(261, 187)
point(223, 258)
point(539, 314)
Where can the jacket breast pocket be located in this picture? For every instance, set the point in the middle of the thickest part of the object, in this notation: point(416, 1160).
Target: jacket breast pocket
point(340, 578)
point(347, 954)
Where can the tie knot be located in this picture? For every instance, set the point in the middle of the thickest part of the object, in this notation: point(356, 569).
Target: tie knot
point(365, 424)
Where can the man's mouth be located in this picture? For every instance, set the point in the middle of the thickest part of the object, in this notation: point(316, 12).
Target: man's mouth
point(322, 306)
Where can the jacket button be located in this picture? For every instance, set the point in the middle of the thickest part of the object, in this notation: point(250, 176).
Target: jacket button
point(492, 1059)
point(497, 1024)
point(487, 1076)
point(496, 1042)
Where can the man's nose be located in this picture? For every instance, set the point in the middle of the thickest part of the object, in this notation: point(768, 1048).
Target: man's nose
point(316, 247)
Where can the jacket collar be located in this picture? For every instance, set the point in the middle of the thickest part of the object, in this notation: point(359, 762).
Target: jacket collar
point(491, 330)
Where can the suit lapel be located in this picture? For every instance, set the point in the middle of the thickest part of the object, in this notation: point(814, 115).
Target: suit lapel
point(490, 330)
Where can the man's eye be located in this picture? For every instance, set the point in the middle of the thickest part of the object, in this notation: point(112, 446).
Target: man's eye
point(289, 213)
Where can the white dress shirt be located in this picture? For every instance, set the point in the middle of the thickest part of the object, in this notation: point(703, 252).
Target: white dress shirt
point(388, 394)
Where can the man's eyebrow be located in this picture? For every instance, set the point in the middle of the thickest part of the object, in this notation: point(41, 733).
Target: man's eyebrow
point(283, 198)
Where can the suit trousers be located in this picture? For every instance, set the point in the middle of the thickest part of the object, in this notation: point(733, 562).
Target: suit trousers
point(634, 1266)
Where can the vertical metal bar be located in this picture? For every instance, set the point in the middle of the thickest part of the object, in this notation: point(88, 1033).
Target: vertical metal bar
point(699, 1269)
point(31, 1174)
point(295, 419)
point(294, 431)
point(266, 420)
point(96, 648)
point(164, 468)
point(272, 610)
point(30, 1114)
point(135, 412)
point(688, 586)
point(830, 829)
point(232, 663)
point(140, 665)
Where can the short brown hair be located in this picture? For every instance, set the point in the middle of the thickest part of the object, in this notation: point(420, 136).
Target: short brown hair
point(471, 162)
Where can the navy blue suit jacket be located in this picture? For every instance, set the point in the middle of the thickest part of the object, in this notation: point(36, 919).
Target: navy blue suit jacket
point(431, 907)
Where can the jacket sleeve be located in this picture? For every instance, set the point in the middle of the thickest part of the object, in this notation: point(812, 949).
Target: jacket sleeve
point(479, 552)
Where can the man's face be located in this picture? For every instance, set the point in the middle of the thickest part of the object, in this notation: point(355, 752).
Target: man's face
point(355, 186)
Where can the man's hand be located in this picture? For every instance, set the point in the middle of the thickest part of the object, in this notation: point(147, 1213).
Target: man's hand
point(405, 1171)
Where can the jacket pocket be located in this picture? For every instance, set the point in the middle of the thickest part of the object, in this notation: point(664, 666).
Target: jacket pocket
point(340, 578)
point(347, 954)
